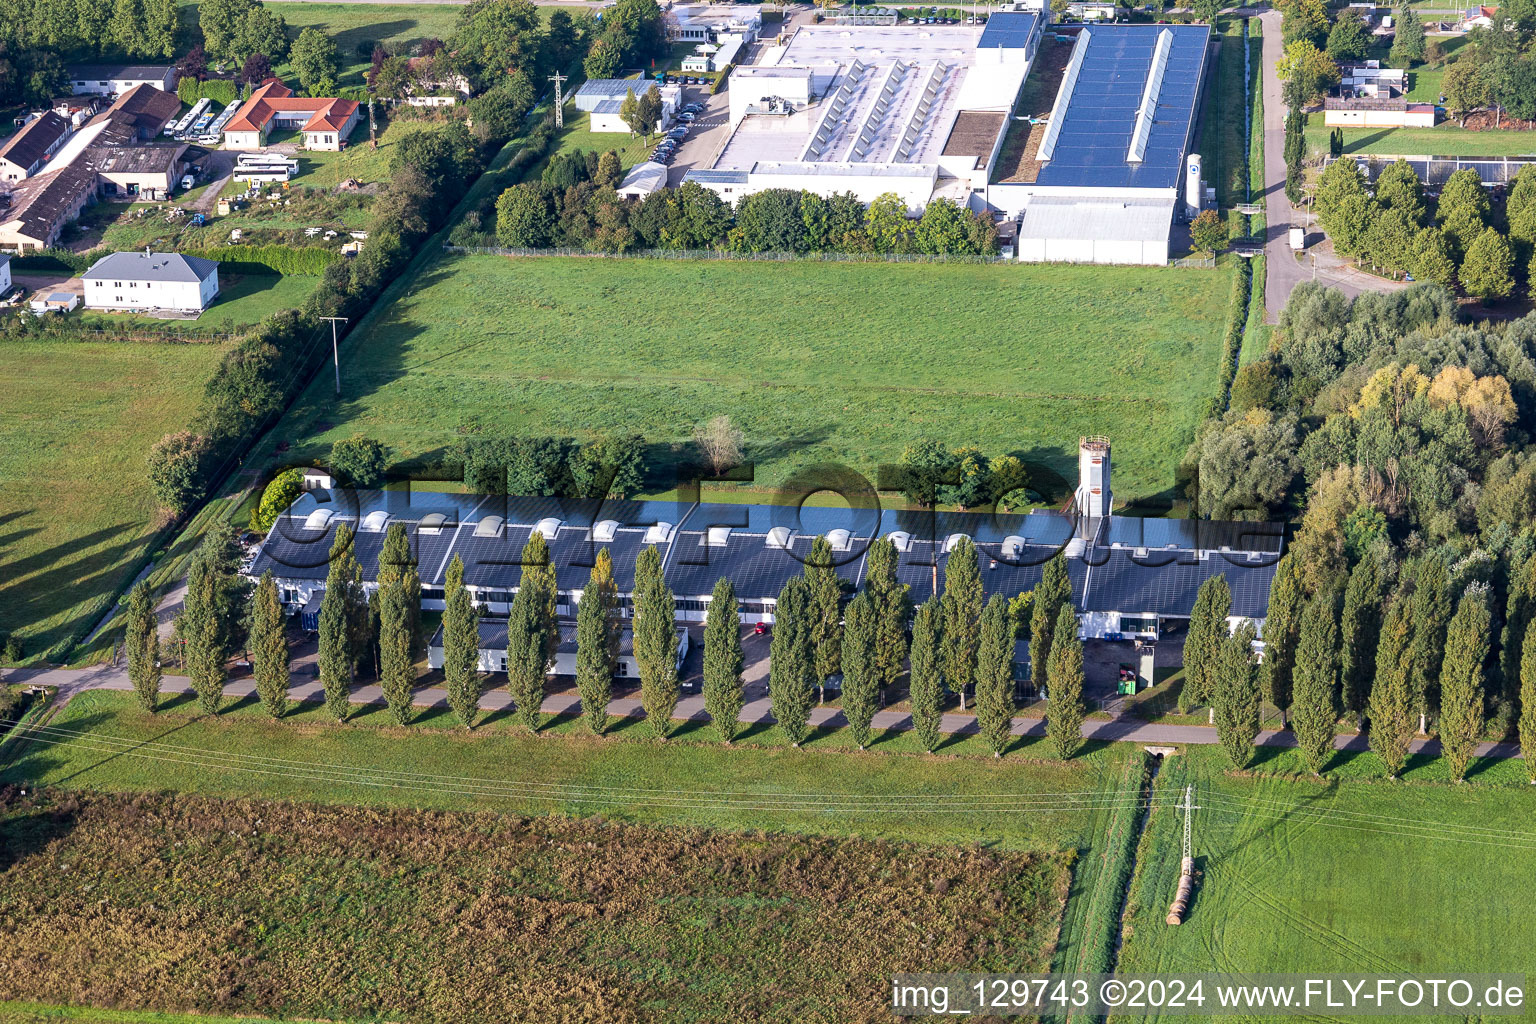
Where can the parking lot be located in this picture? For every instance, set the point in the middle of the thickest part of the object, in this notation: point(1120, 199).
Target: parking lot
point(705, 137)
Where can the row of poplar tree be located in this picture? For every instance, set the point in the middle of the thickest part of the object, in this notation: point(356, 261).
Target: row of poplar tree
point(1391, 660)
point(956, 642)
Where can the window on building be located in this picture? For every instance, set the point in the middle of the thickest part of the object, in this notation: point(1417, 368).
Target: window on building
point(1138, 625)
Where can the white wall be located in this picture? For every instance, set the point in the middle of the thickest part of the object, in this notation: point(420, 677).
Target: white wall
point(5, 277)
point(1378, 119)
point(1093, 250)
point(180, 295)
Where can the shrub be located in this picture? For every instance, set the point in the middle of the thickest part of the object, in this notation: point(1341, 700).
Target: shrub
point(284, 489)
point(358, 461)
point(289, 260)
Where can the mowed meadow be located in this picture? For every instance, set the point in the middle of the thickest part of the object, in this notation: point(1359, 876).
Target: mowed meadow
point(76, 511)
point(1352, 875)
point(815, 362)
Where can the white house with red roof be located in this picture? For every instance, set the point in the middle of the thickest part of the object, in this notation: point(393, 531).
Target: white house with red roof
point(324, 121)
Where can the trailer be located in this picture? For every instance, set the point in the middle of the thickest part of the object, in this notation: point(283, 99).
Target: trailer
point(180, 127)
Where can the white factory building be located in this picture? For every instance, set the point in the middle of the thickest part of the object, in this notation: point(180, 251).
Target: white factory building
point(925, 111)
point(875, 109)
point(603, 98)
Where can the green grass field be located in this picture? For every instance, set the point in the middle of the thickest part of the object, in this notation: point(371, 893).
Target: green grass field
point(1348, 875)
point(76, 509)
point(816, 362)
point(1446, 139)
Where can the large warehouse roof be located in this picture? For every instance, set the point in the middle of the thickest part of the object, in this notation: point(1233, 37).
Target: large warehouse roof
point(1053, 217)
point(1126, 107)
point(1009, 29)
point(1131, 565)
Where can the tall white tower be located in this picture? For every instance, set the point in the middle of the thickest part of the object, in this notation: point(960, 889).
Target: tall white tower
point(1093, 495)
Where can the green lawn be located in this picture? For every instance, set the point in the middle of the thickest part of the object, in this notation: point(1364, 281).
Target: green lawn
point(75, 506)
point(816, 362)
point(322, 169)
point(564, 770)
point(577, 135)
point(244, 301)
point(1445, 139)
point(1347, 875)
point(1424, 86)
point(1221, 125)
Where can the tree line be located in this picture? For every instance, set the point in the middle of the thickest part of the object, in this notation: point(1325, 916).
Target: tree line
point(958, 642)
point(1400, 657)
point(590, 215)
point(1467, 239)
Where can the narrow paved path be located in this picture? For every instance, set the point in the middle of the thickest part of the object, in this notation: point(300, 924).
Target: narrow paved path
point(691, 708)
point(1284, 270)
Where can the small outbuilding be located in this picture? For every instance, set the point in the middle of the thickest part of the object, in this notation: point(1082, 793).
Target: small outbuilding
point(642, 180)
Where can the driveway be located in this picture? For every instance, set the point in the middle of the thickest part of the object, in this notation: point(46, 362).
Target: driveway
point(710, 130)
point(1284, 269)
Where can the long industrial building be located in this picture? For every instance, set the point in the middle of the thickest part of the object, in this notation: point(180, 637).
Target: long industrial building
point(1130, 576)
point(926, 112)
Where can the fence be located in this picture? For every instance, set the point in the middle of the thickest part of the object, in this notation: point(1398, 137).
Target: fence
point(1199, 262)
point(720, 254)
point(1434, 170)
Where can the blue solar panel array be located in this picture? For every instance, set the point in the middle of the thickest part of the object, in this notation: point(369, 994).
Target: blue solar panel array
point(1101, 112)
point(1011, 30)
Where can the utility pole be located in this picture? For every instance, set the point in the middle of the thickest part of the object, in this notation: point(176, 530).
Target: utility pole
point(335, 352)
point(373, 129)
point(559, 81)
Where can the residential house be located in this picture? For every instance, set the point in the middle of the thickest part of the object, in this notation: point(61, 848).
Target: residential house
point(111, 79)
point(151, 281)
point(323, 122)
point(28, 151)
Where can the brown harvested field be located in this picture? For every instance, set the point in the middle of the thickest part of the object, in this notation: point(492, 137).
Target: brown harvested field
point(1017, 161)
point(181, 903)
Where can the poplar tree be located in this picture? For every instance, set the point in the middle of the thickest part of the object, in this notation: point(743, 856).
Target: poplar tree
point(994, 676)
point(1315, 702)
point(1065, 711)
point(926, 683)
point(861, 682)
point(142, 642)
point(1281, 626)
point(791, 662)
point(396, 562)
point(1431, 607)
point(1393, 715)
point(723, 661)
point(1055, 589)
point(527, 651)
point(1528, 703)
point(1461, 680)
point(962, 616)
point(461, 645)
point(269, 647)
point(1518, 612)
point(538, 577)
point(1203, 642)
point(826, 614)
point(655, 643)
point(596, 649)
point(397, 673)
point(1358, 632)
point(893, 606)
point(339, 613)
point(1236, 698)
point(201, 631)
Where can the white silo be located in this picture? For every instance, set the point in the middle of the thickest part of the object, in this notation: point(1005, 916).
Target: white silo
point(1193, 193)
point(1093, 494)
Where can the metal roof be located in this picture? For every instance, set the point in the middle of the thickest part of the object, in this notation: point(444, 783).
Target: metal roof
point(151, 266)
point(118, 72)
point(1097, 109)
point(716, 175)
point(1118, 219)
point(1131, 565)
point(1010, 30)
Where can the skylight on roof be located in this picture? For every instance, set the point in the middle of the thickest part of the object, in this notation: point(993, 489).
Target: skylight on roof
point(432, 524)
point(319, 519)
point(659, 534)
point(605, 531)
point(901, 538)
point(490, 526)
point(953, 540)
point(718, 536)
point(548, 527)
point(840, 540)
point(779, 536)
point(375, 522)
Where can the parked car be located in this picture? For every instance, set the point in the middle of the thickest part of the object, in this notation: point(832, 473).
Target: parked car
point(693, 108)
point(678, 133)
point(687, 117)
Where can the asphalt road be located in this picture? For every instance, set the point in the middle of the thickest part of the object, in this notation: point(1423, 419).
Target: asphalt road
point(1284, 269)
point(691, 708)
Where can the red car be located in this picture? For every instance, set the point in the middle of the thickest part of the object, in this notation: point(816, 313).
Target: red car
point(761, 629)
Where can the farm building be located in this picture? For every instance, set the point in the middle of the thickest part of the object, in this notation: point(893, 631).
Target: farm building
point(28, 151)
point(150, 282)
point(493, 649)
point(324, 122)
point(872, 109)
point(1131, 576)
point(1113, 158)
point(603, 98)
point(41, 205)
point(111, 79)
